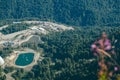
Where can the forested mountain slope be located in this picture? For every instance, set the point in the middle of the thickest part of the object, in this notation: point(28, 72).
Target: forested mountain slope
point(68, 56)
point(72, 12)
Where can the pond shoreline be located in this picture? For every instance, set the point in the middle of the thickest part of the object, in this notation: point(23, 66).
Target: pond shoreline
point(24, 59)
point(16, 54)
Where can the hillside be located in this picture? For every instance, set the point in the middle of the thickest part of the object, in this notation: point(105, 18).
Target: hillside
point(53, 39)
point(71, 12)
point(66, 54)
point(24, 37)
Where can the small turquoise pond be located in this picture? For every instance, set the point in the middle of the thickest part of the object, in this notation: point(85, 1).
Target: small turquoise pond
point(24, 59)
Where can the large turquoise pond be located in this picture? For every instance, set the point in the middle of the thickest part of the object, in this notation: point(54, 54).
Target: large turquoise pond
point(24, 59)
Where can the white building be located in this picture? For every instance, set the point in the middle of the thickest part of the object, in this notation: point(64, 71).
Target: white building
point(1, 61)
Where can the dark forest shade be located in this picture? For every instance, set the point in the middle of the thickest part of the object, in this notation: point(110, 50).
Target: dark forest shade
point(71, 12)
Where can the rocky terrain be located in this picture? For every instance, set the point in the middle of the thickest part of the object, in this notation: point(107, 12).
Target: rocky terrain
point(30, 34)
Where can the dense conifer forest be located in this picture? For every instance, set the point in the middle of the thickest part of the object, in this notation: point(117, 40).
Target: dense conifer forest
point(67, 54)
point(71, 12)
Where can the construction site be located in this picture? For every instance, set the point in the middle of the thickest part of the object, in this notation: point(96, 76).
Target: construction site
point(31, 34)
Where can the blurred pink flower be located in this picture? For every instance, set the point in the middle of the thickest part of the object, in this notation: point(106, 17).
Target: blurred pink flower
point(95, 54)
point(116, 68)
point(113, 52)
point(108, 47)
point(93, 46)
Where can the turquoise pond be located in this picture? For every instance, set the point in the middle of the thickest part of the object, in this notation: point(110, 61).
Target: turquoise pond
point(24, 59)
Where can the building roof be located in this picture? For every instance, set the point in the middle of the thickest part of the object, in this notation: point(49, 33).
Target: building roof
point(1, 61)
